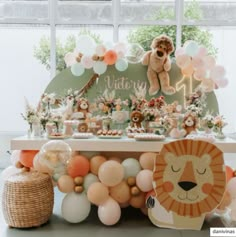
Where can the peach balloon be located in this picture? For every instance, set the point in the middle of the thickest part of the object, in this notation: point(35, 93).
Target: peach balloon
point(65, 184)
point(144, 180)
point(138, 201)
point(27, 157)
point(95, 163)
point(147, 159)
point(229, 173)
point(109, 212)
point(78, 166)
point(187, 71)
point(110, 57)
point(111, 173)
point(97, 193)
point(120, 192)
point(183, 60)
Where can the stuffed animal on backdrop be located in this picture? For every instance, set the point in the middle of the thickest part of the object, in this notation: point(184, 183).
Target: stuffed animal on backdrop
point(136, 119)
point(83, 107)
point(190, 123)
point(159, 63)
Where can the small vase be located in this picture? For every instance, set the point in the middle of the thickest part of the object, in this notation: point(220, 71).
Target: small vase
point(106, 123)
point(219, 134)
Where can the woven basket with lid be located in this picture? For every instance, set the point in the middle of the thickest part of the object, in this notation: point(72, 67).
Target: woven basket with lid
point(27, 199)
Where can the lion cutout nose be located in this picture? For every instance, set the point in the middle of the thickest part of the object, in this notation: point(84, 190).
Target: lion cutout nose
point(186, 185)
point(187, 180)
point(159, 54)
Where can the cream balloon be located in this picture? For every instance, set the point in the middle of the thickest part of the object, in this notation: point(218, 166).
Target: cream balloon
point(75, 207)
point(111, 173)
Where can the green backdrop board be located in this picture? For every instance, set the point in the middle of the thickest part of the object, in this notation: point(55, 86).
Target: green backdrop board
point(124, 83)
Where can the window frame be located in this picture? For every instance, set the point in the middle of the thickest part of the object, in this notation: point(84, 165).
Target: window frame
point(116, 22)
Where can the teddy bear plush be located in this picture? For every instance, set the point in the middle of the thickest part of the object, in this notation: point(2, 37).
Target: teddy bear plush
point(159, 63)
point(189, 123)
point(136, 118)
point(83, 106)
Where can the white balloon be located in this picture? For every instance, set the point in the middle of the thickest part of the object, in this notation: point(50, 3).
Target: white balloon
point(88, 180)
point(75, 207)
point(86, 45)
point(131, 166)
point(9, 171)
point(15, 156)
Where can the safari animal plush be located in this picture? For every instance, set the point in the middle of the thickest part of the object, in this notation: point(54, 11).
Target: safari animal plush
point(159, 63)
point(189, 123)
point(136, 119)
point(83, 106)
point(189, 181)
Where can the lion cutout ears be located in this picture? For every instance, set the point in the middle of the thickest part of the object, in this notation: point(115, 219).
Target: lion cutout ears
point(189, 181)
point(159, 63)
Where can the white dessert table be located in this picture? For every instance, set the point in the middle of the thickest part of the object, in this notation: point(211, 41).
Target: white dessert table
point(123, 144)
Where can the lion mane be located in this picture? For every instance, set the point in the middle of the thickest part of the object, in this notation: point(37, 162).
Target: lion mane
point(189, 177)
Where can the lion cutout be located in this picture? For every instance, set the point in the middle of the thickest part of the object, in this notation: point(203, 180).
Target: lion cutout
point(189, 181)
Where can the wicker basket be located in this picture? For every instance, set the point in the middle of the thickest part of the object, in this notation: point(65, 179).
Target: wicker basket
point(28, 199)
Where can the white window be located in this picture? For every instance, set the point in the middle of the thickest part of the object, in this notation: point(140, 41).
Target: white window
point(29, 30)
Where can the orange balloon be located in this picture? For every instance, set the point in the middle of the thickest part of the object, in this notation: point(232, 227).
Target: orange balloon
point(229, 173)
point(110, 57)
point(95, 163)
point(27, 157)
point(78, 166)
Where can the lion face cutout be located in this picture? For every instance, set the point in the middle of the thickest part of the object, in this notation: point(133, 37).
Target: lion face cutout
point(189, 177)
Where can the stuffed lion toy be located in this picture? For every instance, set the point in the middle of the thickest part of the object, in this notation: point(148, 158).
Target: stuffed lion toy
point(159, 63)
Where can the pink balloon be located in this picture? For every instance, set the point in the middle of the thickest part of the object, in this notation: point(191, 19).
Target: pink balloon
point(183, 61)
point(233, 210)
point(231, 187)
point(207, 85)
point(179, 51)
point(70, 59)
point(87, 62)
point(209, 61)
point(222, 83)
point(202, 51)
point(217, 72)
point(120, 48)
point(197, 62)
point(109, 212)
point(200, 74)
point(144, 180)
point(100, 50)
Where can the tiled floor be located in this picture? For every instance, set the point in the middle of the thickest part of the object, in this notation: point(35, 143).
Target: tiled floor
point(132, 223)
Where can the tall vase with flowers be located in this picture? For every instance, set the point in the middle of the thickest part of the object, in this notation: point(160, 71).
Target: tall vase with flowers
point(219, 123)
